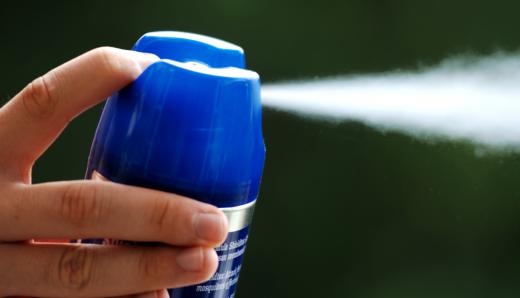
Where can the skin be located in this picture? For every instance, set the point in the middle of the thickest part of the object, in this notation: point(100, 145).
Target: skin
point(29, 123)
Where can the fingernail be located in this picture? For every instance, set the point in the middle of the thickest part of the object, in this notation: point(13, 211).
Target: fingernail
point(191, 259)
point(211, 227)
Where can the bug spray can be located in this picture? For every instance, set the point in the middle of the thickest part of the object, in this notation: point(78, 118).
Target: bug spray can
point(190, 124)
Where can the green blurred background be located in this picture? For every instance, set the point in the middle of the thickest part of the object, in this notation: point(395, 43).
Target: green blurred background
point(345, 211)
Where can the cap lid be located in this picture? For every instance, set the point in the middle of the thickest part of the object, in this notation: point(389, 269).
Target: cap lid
point(189, 47)
point(189, 124)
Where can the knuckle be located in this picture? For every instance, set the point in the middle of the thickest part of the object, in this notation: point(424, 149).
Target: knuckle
point(151, 265)
point(75, 268)
point(38, 99)
point(163, 214)
point(81, 204)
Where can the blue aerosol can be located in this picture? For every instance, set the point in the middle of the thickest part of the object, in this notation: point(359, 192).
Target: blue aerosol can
point(191, 125)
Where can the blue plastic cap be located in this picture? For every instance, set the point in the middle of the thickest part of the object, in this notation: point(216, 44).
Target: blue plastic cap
point(185, 127)
point(189, 47)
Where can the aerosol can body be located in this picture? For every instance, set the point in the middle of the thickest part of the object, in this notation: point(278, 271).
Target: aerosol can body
point(190, 125)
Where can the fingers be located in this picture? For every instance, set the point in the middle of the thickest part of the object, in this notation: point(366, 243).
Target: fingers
point(100, 271)
point(35, 116)
point(92, 209)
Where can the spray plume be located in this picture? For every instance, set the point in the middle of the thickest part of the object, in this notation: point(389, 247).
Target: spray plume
point(472, 99)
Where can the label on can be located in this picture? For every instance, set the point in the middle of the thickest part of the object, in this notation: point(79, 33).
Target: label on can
point(223, 284)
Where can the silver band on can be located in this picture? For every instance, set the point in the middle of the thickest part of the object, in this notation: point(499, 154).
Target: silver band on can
point(239, 217)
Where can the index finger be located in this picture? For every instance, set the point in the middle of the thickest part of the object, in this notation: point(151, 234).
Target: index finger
point(37, 115)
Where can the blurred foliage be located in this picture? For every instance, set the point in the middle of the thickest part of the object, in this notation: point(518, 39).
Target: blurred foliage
point(345, 211)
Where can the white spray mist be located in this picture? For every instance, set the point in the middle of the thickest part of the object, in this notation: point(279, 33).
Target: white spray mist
point(473, 99)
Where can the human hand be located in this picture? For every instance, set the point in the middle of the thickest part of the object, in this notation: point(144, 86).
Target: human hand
point(29, 123)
